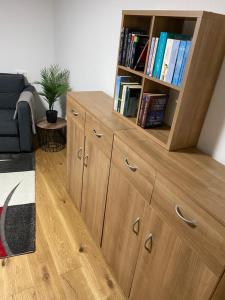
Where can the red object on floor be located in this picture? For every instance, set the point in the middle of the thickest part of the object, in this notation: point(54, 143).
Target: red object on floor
point(2, 250)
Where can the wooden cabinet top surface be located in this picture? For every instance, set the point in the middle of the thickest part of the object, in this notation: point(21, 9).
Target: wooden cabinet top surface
point(194, 172)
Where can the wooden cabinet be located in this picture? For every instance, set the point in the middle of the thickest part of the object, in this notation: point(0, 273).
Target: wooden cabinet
point(124, 212)
point(98, 147)
point(159, 216)
point(123, 221)
point(168, 268)
point(75, 151)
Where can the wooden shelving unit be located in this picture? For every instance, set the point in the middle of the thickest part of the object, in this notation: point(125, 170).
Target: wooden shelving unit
point(188, 103)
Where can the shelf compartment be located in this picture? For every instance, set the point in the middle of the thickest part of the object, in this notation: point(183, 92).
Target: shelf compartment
point(137, 22)
point(174, 25)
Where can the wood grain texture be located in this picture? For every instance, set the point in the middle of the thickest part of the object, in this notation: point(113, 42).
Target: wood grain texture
point(143, 177)
point(171, 270)
point(75, 153)
point(120, 244)
point(44, 124)
point(100, 135)
point(95, 185)
point(195, 92)
point(198, 175)
point(197, 88)
point(67, 264)
point(207, 237)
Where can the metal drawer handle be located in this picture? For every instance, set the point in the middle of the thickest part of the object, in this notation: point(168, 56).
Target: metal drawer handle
point(132, 168)
point(86, 161)
point(136, 226)
point(80, 153)
point(148, 243)
point(192, 223)
point(98, 135)
point(76, 114)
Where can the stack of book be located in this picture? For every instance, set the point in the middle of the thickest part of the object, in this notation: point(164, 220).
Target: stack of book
point(127, 95)
point(133, 48)
point(152, 110)
point(168, 57)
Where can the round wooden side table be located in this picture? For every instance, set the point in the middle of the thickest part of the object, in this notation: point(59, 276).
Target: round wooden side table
point(50, 135)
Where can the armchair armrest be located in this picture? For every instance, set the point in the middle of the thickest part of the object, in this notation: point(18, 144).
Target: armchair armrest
point(25, 126)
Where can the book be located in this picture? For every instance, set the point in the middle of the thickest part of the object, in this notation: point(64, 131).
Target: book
point(179, 60)
point(140, 115)
point(131, 100)
point(147, 99)
point(119, 79)
point(125, 44)
point(122, 35)
point(156, 110)
point(151, 49)
point(152, 110)
point(184, 62)
point(161, 50)
point(153, 56)
point(140, 64)
point(140, 52)
point(172, 62)
point(166, 59)
point(123, 97)
point(120, 98)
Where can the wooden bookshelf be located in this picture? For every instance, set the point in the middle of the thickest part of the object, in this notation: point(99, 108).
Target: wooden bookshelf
point(188, 103)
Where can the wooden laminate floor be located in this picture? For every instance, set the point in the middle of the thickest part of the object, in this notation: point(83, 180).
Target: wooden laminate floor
point(67, 264)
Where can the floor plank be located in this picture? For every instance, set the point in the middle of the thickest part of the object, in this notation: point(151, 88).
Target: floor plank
point(67, 264)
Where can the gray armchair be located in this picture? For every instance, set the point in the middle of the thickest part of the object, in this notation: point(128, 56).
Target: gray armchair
point(15, 134)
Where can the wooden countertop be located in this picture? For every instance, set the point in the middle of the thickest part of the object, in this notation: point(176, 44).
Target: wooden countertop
point(197, 174)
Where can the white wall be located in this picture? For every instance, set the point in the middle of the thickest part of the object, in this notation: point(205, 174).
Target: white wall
point(87, 35)
point(27, 37)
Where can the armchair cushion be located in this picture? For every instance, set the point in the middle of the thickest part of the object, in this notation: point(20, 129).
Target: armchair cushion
point(11, 85)
point(8, 126)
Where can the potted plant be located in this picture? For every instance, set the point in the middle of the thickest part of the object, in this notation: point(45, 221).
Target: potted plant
point(54, 83)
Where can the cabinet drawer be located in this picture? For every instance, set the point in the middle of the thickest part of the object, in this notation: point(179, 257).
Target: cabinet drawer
point(99, 134)
point(140, 174)
point(203, 233)
point(76, 111)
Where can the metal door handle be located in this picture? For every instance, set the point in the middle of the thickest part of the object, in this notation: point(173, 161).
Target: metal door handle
point(132, 168)
point(86, 161)
point(148, 243)
point(98, 135)
point(192, 223)
point(80, 153)
point(76, 114)
point(136, 226)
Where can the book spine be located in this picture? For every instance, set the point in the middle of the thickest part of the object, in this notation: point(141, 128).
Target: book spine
point(117, 91)
point(184, 62)
point(166, 59)
point(142, 56)
point(180, 56)
point(153, 56)
point(121, 46)
point(123, 99)
point(128, 49)
point(160, 54)
point(126, 101)
point(150, 56)
point(134, 47)
point(156, 111)
point(140, 115)
point(126, 32)
point(172, 62)
point(145, 111)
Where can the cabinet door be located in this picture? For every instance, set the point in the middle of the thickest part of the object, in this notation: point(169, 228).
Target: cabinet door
point(75, 151)
point(123, 221)
point(95, 183)
point(168, 268)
